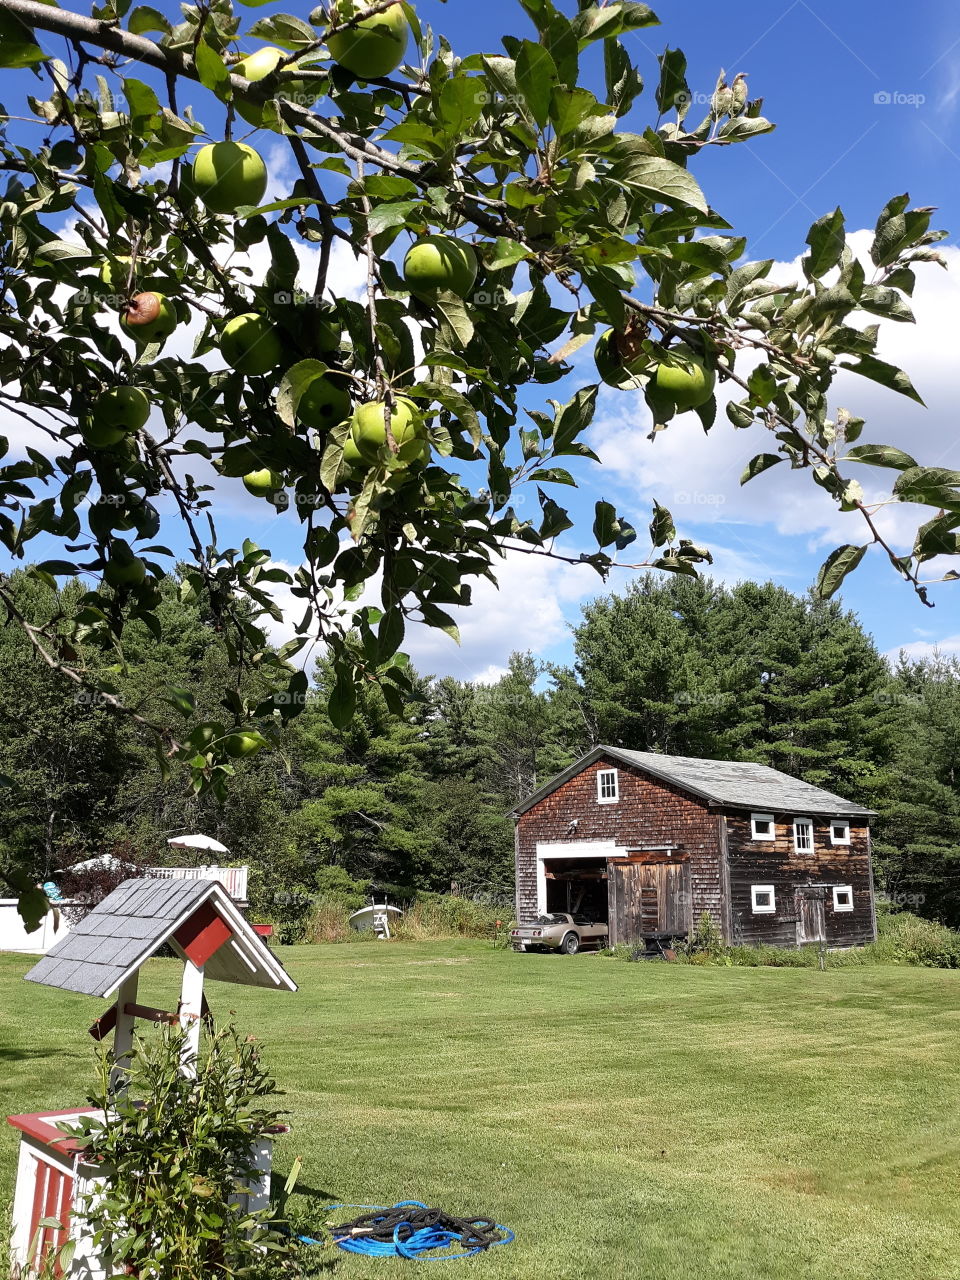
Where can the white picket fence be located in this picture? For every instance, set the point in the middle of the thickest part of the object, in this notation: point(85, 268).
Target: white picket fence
point(233, 879)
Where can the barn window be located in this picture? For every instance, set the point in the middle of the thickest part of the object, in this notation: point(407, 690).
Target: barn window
point(762, 826)
point(763, 899)
point(842, 897)
point(840, 831)
point(803, 835)
point(608, 789)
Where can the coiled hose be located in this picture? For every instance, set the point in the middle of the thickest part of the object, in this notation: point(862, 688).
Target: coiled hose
point(411, 1229)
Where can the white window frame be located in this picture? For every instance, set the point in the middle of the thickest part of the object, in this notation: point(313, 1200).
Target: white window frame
point(601, 775)
point(763, 817)
point(808, 823)
point(840, 822)
point(763, 888)
point(842, 888)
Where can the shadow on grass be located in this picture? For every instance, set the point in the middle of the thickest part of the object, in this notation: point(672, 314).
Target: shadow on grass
point(8, 1054)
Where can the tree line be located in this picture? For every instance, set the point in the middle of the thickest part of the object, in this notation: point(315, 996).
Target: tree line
point(422, 800)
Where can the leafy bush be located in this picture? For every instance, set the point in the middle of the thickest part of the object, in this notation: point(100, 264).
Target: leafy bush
point(903, 938)
point(175, 1152)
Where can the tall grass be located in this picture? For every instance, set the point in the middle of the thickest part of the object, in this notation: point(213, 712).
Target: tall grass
point(902, 938)
point(430, 915)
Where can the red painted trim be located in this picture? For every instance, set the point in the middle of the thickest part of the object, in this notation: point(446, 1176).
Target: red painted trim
point(104, 1024)
point(43, 1172)
point(36, 1126)
point(66, 1211)
point(203, 934)
point(263, 930)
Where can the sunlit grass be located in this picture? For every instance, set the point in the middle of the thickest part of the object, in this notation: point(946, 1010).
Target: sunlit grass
point(625, 1120)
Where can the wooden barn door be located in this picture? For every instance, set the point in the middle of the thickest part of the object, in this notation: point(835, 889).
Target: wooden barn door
point(648, 897)
point(811, 915)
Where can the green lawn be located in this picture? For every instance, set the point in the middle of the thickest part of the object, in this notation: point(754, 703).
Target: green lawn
point(627, 1120)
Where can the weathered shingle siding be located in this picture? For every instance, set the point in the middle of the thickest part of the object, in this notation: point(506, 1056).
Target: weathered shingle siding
point(648, 813)
point(775, 862)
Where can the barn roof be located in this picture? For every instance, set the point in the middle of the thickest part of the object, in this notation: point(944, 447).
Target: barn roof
point(732, 784)
point(129, 925)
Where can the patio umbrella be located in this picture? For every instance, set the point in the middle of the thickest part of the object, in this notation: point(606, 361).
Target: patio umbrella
point(206, 843)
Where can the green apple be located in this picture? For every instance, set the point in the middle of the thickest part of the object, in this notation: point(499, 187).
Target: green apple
point(440, 264)
point(352, 455)
point(244, 743)
point(117, 412)
point(257, 66)
point(115, 273)
point(375, 46)
point(613, 369)
point(251, 344)
point(262, 483)
point(227, 175)
point(149, 317)
point(369, 432)
point(124, 569)
point(326, 332)
point(325, 402)
point(684, 378)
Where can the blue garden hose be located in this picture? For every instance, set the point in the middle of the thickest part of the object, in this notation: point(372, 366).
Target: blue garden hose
point(412, 1234)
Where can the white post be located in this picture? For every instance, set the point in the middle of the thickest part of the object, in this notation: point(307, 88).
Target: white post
point(123, 1035)
point(191, 1001)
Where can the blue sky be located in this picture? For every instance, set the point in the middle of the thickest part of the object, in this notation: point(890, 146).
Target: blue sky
point(866, 101)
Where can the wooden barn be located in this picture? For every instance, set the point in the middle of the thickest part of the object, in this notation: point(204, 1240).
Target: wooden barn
point(649, 842)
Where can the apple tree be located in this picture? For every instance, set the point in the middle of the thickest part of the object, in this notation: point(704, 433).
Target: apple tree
point(504, 216)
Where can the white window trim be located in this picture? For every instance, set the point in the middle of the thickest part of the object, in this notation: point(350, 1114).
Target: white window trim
point(842, 888)
point(763, 888)
point(845, 822)
point(808, 823)
point(615, 798)
point(763, 817)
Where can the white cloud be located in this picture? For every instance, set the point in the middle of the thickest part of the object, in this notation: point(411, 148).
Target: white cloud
point(947, 647)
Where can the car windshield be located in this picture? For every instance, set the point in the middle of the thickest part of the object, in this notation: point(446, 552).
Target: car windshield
point(551, 919)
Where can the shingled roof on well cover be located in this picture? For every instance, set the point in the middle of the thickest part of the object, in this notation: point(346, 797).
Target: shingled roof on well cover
point(129, 925)
point(734, 784)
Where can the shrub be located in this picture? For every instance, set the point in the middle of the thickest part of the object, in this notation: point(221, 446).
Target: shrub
point(174, 1151)
point(903, 938)
point(329, 921)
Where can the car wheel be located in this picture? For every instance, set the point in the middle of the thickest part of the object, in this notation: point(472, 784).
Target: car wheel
point(570, 944)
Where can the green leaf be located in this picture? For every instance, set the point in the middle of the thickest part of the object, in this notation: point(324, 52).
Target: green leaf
point(662, 180)
point(392, 214)
point(292, 386)
point(504, 253)
point(762, 462)
point(211, 68)
point(662, 528)
point(624, 83)
point(342, 702)
point(827, 240)
point(537, 78)
point(145, 18)
point(555, 519)
point(881, 455)
point(887, 375)
point(672, 89)
point(18, 48)
point(933, 486)
point(835, 568)
point(461, 104)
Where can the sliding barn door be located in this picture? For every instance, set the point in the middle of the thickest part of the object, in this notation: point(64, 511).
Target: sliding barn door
point(649, 897)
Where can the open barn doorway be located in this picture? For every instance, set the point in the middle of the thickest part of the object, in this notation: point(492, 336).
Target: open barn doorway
point(579, 887)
